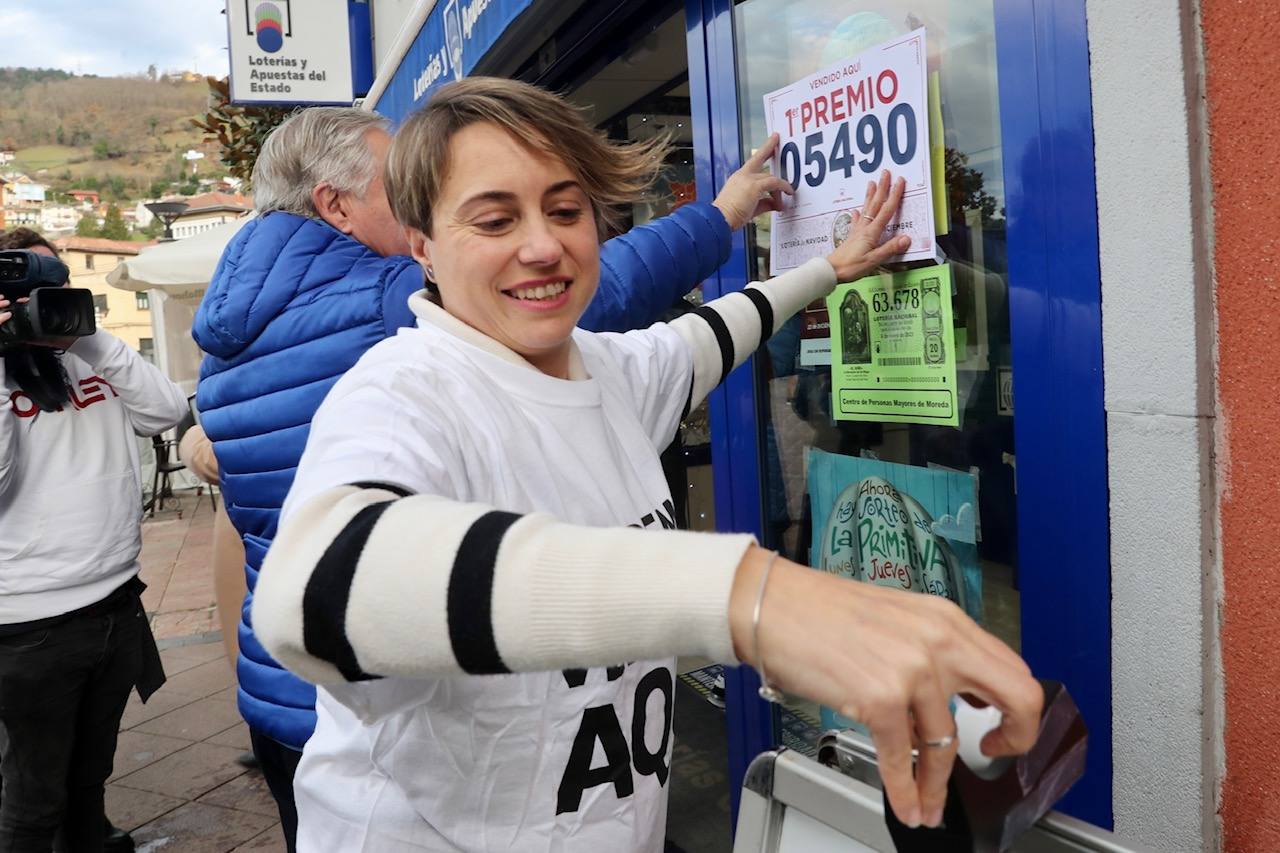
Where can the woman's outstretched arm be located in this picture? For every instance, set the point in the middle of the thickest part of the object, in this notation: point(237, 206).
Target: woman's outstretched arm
point(366, 581)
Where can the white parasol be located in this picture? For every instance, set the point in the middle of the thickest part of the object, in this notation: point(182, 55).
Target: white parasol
point(179, 266)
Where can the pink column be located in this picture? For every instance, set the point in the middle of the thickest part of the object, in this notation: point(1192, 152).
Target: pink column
point(1242, 60)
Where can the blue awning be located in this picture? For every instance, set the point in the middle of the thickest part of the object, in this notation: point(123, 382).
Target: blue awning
point(453, 39)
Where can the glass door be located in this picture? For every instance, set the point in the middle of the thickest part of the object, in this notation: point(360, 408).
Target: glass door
point(1024, 547)
point(959, 481)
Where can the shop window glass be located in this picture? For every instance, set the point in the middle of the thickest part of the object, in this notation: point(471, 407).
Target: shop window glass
point(809, 455)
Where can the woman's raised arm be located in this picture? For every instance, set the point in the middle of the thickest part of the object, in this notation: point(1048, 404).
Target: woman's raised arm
point(724, 332)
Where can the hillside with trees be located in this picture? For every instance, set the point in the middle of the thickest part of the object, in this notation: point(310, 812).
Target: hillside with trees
point(123, 136)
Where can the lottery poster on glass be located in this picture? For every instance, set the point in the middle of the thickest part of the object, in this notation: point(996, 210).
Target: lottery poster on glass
point(839, 129)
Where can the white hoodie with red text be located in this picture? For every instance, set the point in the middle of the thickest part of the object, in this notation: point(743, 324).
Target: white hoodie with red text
point(70, 480)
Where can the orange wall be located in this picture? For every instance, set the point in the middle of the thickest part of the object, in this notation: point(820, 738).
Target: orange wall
point(1243, 78)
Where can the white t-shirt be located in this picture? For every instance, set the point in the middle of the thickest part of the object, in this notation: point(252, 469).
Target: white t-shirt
point(514, 555)
point(70, 487)
point(564, 761)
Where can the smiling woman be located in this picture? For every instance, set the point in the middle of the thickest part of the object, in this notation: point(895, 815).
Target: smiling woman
point(520, 264)
point(472, 502)
point(507, 223)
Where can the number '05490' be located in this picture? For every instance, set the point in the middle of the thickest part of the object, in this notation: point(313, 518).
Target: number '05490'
point(897, 139)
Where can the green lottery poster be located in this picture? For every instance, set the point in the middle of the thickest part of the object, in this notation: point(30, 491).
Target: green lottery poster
point(892, 349)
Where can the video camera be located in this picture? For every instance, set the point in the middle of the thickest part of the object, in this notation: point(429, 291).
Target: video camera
point(51, 310)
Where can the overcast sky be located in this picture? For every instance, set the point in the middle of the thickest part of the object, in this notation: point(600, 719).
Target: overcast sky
point(114, 37)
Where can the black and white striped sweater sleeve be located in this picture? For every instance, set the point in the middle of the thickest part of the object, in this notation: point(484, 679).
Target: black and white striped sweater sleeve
point(366, 580)
point(724, 332)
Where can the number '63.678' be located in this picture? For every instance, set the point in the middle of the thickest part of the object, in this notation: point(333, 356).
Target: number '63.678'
point(897, 138)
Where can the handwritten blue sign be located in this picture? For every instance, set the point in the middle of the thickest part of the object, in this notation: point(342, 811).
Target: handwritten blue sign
point(896, 525)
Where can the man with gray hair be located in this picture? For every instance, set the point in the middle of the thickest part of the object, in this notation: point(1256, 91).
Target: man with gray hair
point(316, 280)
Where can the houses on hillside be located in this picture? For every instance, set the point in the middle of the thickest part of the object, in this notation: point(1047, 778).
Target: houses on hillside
point(209, 210)
point(20, 188)
point(58, 218)
point(20, 201)
point(25, 201)
point(85, 198)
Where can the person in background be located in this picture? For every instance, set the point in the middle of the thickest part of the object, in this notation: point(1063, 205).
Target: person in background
point(74, 638)
point(480, 513)
point(319, 277)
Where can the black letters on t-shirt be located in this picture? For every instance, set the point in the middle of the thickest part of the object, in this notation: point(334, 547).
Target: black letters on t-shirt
point(652, 762)
point(600, 723)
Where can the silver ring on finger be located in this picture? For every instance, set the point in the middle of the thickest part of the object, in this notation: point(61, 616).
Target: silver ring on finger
point(940, 743)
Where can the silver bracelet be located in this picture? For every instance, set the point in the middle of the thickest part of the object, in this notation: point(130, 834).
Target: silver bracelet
point(767, 691)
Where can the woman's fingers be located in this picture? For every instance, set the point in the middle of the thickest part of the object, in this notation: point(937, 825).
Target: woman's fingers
point(884, 197)
point(971, 661)
point(892, 660)
point(871, 203)
point(877, 195)
point(917, 796)
point(768, 204)
point(889, 249)
point(885, 716)
point(937, 746)
point(1020, 724)
point(1020, 699)
point(891, 195)
point(1018, 696)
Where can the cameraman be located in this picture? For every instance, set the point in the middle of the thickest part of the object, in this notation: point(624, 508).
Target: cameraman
point(74, 638)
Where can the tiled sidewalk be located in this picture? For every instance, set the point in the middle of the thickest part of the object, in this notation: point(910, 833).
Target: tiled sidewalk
point(177, 785)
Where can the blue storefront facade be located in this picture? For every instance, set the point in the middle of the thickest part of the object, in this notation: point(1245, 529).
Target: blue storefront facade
point(451, 41)
point(1022, 234)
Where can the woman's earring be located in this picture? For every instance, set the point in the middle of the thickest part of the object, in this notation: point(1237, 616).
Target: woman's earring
point(431, 273)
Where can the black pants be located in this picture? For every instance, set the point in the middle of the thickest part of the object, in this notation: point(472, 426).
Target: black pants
point(279, 763)
point(63, 690)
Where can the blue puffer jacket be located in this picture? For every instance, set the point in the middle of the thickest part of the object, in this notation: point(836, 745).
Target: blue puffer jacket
point(292, 305)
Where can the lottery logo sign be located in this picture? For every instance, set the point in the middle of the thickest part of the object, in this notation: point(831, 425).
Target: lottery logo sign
point(271, 25)
point(839, 129)
point(286, 54)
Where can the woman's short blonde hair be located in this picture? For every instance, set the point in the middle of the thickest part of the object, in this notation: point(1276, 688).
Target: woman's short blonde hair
point(611, 173)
